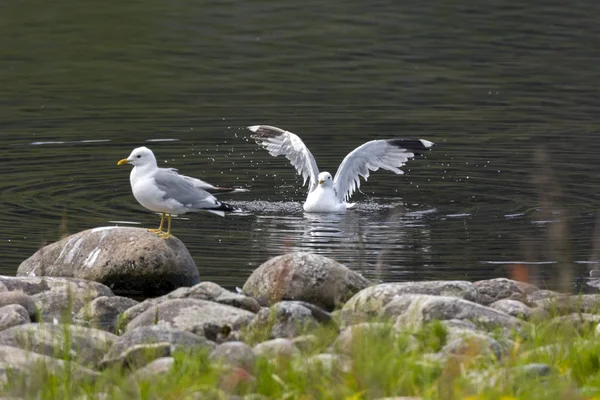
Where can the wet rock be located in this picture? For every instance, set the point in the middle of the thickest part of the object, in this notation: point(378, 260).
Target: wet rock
point(24, 364)
point(31, 285)
point(20, 298)
point(372, 300)
point(13, 315)
point(425, 308)
point(128, 260)
point(103, 312)
point(177, 339)
point(513, 307)
point(86, 345)
point(289, 319)
point(275, 348)
point(306, 277)
point(157, 367)
point(236, 354)
point(491, 290)
point(212, 320)
point(203, 291)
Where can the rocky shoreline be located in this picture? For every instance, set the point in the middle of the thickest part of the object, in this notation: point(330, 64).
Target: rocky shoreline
point(64, 295)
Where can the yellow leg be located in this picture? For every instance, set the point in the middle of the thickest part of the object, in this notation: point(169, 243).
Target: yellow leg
point(159, 230)
point(166, 234)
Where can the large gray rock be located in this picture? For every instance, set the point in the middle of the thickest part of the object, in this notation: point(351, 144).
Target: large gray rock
point(491, 290)
point(85, 345)
point(129, 260)
point(103, 312)
point(20, 298)
point(288, 319)
point(584, 303)
point(473, 344)
point(276, 348)
point(124, 350)
point(202, 291)
point(57, 307)
point(372, 300)
point(206, 318)
point(158, 367)
point(235, 354)
point(13, 315)
point(513, 307)
point(24, 364)
point(32, 285)
point(304, 276)
point(419, 309)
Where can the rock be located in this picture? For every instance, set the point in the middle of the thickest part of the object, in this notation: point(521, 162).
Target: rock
point(425, 308)
point(86, 345)
point(57, 307)
point(157, 367)
point(585, 303)
point(289, 319)
point(306, 343)
point(513, 307)
point(139, 355)
point(236, 354)
point(306, 277)
point(372, 300)
point(177, 339)
point(33, 285)
point(202, 291)
point(576, 320)
point(103, 312)
point(20, 298)
point(128, 260)
point(353, 335)
point(329, 363)
point(491, 290)
point(212, 320)
point(234, 379)
point(24, 364)
point(13, 315)
point(275, 348)
point(533, 370)
point(472, 344)
point(543, 295)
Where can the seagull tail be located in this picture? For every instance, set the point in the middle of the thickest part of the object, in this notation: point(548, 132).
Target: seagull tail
point(222, 208)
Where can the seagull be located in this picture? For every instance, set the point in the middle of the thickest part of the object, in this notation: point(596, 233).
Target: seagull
point(165, 191)
point(331, 195)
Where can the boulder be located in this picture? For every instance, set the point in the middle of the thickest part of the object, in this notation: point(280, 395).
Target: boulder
point(24, 364)
point(13, 315)
point(235, 354)
point(128, 345)
point(86, 345)
point(20, 298)
point(288, 319)
point(206, 318)
point(57, 307)
point(354, 335)
point(581, 303)
point(202, 291)
point(158, 367)
point(32, 285)
point(372, 300)
point(275, 348)
point(420, 309)
point(513, 307)
point(306, 277)
point(473, 344)
point(103, 312)
point(491, 290)
point(128, 260)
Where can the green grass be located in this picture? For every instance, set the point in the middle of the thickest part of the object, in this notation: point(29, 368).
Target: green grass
point(384, 363)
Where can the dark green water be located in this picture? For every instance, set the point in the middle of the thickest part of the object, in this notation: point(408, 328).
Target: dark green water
point(490, 82)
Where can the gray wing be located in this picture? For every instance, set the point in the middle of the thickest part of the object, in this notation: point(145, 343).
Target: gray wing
point(212, 189)
point(279, 142)
point(388, 154)
point(183, 190)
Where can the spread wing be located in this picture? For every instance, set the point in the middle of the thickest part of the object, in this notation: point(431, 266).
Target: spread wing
point(279, 142)
point(390, 154)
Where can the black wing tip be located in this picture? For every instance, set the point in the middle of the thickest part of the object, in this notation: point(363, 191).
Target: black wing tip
point(227, 208)
point(416, 146)
point(265, 131)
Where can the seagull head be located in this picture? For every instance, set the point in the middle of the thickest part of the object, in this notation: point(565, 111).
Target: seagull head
point(325, 179)
point(140, 156)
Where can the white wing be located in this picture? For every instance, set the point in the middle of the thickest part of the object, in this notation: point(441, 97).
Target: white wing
point(388, 154)
point(279, 142)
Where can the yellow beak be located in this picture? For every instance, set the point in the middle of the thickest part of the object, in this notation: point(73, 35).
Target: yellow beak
point(321, 181)
point(123, 161)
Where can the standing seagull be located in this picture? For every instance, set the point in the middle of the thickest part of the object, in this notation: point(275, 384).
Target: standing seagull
point(164, 190)
point(329, 195)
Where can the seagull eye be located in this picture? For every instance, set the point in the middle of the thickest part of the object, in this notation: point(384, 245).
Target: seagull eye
point(139, 156)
